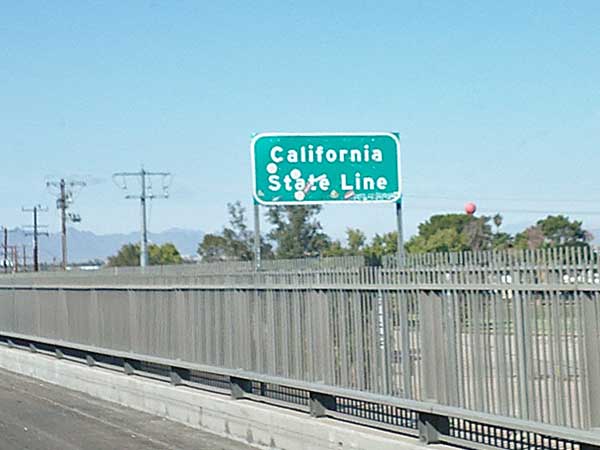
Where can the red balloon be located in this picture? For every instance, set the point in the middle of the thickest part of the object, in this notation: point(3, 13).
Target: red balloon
point(470, 208)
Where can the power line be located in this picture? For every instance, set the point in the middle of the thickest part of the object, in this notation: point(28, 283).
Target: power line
point(35, 233)
point(487, 209)
point(500, 199)
point(120, 179)
point(65, 196)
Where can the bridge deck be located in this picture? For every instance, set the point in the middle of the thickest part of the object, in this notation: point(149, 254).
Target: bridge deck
point(39, 416)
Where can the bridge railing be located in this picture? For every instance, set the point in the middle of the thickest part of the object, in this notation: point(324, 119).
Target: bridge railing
point(511, 337)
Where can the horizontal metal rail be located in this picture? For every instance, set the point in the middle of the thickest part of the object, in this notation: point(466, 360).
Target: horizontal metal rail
point(321, 286)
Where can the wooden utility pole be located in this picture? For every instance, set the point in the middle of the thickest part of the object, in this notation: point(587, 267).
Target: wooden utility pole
point(36, 233)
point(15, 255)
point(64, 200)
point(5, 249)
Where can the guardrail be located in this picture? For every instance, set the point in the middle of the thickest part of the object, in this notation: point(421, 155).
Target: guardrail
point(504, 353)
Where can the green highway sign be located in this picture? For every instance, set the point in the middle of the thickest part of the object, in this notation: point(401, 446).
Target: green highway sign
point(315, 168)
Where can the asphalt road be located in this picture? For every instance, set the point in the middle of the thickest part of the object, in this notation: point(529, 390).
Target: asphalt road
point(40, 416)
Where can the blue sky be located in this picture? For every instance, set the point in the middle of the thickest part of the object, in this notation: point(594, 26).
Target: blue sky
point(495, 102)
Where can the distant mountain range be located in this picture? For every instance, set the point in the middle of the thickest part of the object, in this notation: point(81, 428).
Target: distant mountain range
point(86, 246)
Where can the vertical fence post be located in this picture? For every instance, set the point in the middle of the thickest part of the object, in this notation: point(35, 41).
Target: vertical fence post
point(450, 332)
point(403, 305)
point(521, 337)
point(386, 340)
point(432, 347)
point(592, 355)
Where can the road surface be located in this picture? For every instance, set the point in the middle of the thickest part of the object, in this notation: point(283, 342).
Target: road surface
point(40, 416)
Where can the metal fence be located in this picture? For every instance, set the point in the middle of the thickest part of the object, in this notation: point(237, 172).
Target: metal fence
point(510, 334)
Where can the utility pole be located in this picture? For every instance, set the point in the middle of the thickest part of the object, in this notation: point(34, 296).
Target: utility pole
point(144, 237)
point(5, 249)
point(65, 190)
point(145, 178)
point(62, 204)
point(15, 254)
point(24, 258)
point(35, 233)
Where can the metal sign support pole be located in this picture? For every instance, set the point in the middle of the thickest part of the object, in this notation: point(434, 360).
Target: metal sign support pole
point(257, 255)
point(400, 233)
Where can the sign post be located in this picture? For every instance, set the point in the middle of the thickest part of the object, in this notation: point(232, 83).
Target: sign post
point(400, 230)
point(257, 249)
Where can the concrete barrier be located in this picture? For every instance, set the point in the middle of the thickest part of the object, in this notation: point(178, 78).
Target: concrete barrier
point(262, 426)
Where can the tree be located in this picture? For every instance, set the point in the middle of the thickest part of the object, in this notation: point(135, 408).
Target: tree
point(478, 234)
point(296, 231)
point(235, 242)
point(443, 221)
point(451, 233)
point(560, 231)
point(212, 248)
point(502, 241)
point(356, 240)
point(335, 248)
point(498, 219)
point(381, 245)
point(164, 254)
point(129, 255)
point(238, 236)
point(553, 231)
point(532, 238)
point(443, 240)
